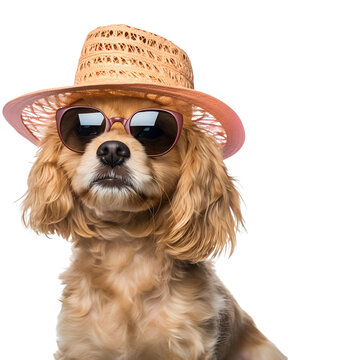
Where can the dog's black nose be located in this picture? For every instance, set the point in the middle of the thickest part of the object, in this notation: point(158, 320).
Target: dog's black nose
point(113, 153)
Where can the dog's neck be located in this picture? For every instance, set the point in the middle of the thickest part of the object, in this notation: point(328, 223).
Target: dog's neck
point(125, 246)
point(123, 268)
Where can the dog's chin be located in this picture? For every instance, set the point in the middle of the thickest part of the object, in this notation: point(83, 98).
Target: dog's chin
point(111, 194)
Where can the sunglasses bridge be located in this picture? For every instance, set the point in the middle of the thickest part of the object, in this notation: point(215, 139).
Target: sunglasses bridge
point(116, 119)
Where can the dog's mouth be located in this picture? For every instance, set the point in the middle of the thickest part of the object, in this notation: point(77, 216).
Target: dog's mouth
point(112, 181)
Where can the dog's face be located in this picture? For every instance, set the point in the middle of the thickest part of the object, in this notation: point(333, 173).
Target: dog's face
point(140, 182)
point(184, 199)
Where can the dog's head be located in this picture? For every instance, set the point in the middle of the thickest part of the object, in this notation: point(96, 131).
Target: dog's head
point(183, 199)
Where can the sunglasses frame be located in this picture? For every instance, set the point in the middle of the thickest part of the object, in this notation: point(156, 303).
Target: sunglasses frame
point(109, 122)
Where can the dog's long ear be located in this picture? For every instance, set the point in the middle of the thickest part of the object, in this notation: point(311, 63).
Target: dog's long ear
point(205, 208)
point(49, 199)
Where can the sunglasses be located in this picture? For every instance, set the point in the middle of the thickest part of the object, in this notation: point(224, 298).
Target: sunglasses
point(158, 130)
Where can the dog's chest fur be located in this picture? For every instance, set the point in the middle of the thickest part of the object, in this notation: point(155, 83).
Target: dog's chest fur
point(131, 304)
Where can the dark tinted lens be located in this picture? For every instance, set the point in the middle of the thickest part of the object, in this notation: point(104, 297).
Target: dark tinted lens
point(155, 129)
point(80, 125)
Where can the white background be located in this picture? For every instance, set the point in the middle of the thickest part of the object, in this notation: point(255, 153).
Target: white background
point(291, 69)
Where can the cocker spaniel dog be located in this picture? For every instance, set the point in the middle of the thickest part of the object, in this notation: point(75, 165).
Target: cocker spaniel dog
point(143, 228)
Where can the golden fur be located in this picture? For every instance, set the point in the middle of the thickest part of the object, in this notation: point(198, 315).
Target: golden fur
point(140, 285)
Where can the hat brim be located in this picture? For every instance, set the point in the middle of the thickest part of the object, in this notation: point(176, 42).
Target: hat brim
point(223, 114)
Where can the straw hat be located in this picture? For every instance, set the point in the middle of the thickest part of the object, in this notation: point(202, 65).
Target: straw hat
point(122, 60)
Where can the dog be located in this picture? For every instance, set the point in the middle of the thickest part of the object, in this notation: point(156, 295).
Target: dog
point(144, 231)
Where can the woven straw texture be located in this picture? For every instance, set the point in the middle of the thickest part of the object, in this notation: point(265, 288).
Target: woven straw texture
point(123, 54)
